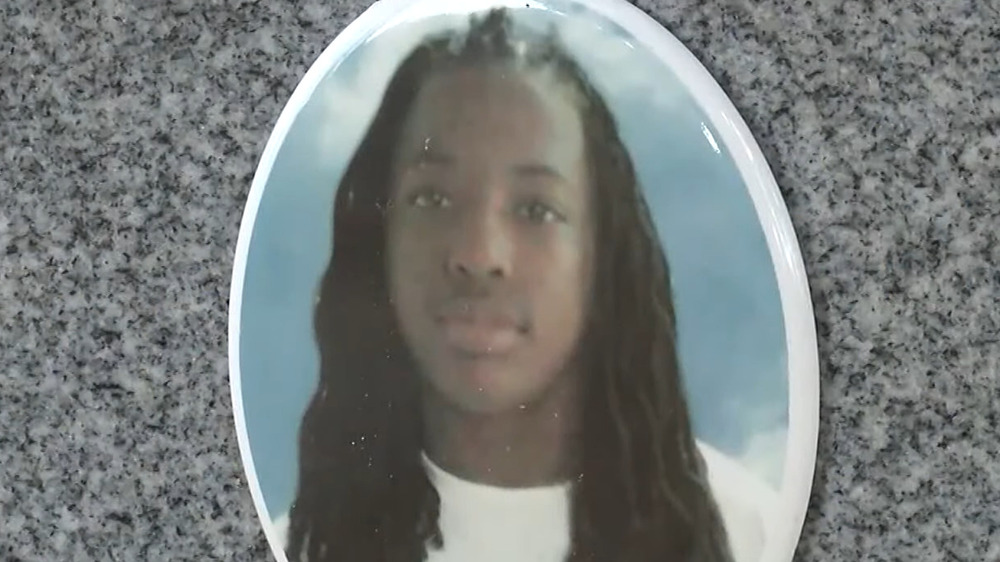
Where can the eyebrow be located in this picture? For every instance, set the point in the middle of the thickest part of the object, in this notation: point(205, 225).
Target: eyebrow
point(428, 156)
point(537, 170)
point(525, 170)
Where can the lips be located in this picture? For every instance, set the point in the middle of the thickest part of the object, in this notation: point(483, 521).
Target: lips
point(476, 330)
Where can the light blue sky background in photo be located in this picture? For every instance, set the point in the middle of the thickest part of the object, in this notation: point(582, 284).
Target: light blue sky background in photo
point(730, 326)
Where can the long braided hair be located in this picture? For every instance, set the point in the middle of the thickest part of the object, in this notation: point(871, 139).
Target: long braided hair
point(363, 493)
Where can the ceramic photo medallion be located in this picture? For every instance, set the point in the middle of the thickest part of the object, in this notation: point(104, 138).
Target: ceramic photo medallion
point(514, 282)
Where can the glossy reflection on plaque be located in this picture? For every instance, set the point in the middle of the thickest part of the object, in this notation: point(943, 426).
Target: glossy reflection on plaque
point(515, 283)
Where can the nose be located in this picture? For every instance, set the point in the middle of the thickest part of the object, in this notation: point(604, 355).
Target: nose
point(480, 247)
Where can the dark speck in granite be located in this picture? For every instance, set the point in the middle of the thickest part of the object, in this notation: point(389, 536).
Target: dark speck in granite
point(128, 139)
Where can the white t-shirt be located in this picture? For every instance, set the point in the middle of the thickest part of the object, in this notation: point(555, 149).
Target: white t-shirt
point(493, 524)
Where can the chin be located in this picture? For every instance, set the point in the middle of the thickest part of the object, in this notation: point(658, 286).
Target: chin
point(477, 392)
point(484, 407)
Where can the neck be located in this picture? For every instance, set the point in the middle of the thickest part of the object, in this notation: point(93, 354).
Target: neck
point(533, 445)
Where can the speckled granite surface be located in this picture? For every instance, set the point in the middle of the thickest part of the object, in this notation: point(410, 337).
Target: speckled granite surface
point(128, 139)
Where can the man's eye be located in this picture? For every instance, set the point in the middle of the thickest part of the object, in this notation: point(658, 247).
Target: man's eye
point(430, 200)
point(539, 212)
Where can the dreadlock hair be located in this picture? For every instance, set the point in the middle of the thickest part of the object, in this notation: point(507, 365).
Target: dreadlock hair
point(363, 494)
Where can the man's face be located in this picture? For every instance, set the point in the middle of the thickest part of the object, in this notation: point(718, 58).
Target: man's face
point(490, 247)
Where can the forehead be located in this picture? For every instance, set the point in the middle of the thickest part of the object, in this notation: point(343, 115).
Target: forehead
point(502, 111)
